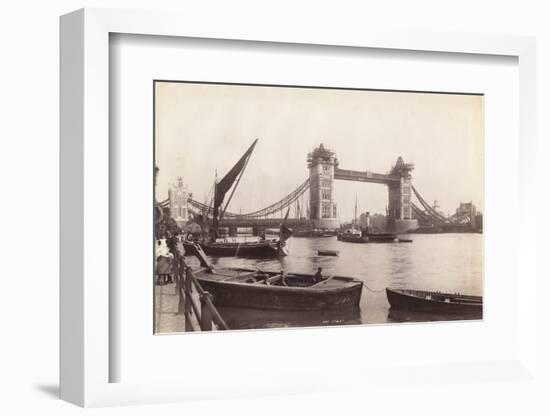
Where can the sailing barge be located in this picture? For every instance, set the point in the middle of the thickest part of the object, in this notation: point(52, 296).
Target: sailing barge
point(248, 288)
point(262, 248)
point(253, 249)
point(422, 300)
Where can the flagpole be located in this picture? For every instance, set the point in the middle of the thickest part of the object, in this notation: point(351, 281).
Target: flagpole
point(355, 219)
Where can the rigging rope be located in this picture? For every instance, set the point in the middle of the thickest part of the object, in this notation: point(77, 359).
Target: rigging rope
point(271, 209)
point(429, 214)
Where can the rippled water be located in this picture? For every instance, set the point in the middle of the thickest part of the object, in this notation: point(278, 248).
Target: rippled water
point(439, 262)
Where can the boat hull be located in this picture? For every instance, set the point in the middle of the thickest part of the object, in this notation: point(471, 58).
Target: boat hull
point(246, 249)
point(351, 238)
point(261, 296)
point(368, 238)
point(332, 253)
point(381, 238)
point(434, 302)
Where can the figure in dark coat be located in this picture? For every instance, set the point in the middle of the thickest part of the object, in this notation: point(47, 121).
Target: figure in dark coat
point(317, 277)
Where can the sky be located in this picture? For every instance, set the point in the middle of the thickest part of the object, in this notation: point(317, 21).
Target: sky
point(201, 129)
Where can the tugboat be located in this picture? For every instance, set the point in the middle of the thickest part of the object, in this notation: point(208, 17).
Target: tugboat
point(352, 235)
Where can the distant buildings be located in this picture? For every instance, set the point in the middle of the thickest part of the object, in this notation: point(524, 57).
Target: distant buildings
point(374, 222)
point(466, 208)
point(435, 207)
point(465, 219)
point(467, 213)
point(178, 195)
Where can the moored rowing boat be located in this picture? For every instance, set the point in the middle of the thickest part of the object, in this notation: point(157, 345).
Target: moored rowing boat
point(270, 290)
point(423, 300)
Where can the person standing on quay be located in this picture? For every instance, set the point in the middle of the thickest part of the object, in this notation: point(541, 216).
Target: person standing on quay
point(164, 262)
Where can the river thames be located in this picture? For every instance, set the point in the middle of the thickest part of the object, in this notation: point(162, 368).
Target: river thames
point(437, 262)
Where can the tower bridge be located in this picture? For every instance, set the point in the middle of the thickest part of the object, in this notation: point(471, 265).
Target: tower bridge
point(324, 170)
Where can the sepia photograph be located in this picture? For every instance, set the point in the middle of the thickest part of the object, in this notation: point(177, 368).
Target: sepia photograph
point(297, 206)
point(295, 211)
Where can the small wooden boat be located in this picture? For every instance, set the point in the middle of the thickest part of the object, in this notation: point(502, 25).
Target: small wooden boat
point(422, 300)
point(328, 252)
point(404, 240)
point(248, 288)
point(380, 237)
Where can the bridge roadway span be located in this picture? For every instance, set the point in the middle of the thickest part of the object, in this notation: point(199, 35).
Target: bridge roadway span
point(233, 220)
point(366, 176)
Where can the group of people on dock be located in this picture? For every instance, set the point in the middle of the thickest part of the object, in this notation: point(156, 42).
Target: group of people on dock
point(169, 256)
point(170, 253)
point(170, 261)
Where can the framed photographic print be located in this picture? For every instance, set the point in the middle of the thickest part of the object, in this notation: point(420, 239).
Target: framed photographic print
point(274, 254)
point(294, 214)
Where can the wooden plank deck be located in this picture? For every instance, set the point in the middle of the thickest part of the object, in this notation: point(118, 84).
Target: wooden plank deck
point(167, 318)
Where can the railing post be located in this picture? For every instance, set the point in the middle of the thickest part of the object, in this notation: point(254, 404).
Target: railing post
point(188, 308)
point(206, 313)
point(179, 291)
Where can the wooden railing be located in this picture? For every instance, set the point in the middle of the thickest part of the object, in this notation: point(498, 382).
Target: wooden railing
point(199, 315)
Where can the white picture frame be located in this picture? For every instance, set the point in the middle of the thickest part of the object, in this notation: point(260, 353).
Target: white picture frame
point(85, 217)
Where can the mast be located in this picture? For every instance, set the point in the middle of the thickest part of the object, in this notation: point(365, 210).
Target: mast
point(355, 218)
point(212, 202)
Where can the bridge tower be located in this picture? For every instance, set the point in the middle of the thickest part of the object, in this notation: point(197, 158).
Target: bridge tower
point(178, 196)
point(399, 202)
point(322, 208)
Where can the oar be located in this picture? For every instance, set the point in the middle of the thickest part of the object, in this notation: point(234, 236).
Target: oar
point(259, 269)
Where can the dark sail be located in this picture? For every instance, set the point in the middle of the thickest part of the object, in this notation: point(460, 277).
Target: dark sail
point(285, 233)
point(223, 186)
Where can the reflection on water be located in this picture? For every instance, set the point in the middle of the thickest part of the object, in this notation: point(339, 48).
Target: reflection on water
point(240, 318)
point(443, 262)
